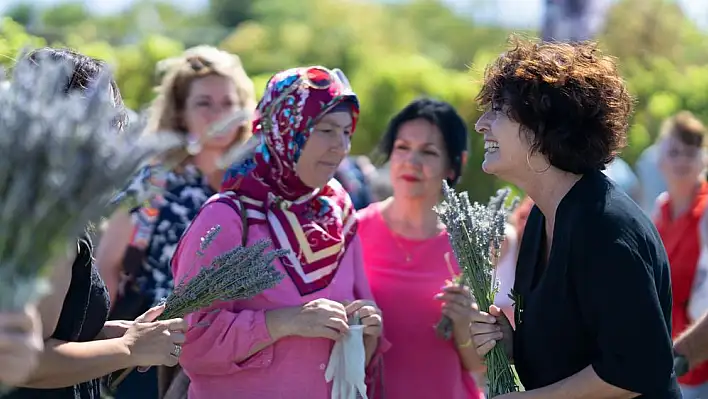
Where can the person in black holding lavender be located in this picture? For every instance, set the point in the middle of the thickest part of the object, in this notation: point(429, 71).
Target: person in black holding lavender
point(592, 290)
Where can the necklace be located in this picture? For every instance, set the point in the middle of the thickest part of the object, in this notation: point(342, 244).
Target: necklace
point(400, 246)
point(397, 238)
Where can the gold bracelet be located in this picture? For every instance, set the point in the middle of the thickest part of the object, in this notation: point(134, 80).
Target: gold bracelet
point(466, 344)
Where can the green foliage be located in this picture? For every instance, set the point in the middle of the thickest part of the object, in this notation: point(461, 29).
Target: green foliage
point(392, 53)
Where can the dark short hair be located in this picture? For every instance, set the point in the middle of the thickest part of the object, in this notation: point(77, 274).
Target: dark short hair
point(86, 70)
point(686, 128)
point(569, 98)
point(444, 117)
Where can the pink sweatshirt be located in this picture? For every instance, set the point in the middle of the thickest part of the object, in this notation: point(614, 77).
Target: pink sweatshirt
point(292, 367)
point(419, 364)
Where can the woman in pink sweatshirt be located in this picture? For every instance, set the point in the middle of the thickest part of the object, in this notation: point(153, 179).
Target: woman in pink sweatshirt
point(278, 344)
point(405, 250)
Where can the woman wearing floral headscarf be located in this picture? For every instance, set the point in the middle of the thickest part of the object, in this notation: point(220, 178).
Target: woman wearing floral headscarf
point(278, 344)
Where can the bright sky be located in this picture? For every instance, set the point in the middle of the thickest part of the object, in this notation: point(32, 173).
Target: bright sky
point(517, 13)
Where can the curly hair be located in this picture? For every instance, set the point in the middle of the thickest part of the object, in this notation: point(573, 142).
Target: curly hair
point(569, 98)
point(177, 75)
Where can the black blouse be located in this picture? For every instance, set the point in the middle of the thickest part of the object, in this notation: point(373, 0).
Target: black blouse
point(602, 300)
point(83, 315)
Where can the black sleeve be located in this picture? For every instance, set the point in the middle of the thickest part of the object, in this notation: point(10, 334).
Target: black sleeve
point(619, 303)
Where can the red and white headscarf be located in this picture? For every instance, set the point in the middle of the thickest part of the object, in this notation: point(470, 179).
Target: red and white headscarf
point(317, 225)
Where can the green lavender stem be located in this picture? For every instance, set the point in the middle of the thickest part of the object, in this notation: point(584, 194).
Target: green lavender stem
point(475, 233)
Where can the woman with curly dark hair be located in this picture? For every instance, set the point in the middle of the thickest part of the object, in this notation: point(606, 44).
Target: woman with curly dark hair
point(592, 288)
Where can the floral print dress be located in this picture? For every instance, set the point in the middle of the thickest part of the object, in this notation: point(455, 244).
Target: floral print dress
point(159, 226)
point(147, 276)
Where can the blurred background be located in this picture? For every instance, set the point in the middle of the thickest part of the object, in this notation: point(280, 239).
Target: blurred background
point(392, 51)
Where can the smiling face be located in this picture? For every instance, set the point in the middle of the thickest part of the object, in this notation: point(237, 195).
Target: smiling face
point(327, 146)
point(419, 161)
point(505, 146)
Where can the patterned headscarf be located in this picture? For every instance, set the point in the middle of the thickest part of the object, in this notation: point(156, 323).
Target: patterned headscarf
point(317, 225)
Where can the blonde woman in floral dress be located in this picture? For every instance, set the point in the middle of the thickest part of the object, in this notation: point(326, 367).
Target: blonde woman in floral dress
point(198, 89)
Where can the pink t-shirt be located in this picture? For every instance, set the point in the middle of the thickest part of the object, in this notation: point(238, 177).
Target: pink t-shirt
point(293, 367)
point(419, 364)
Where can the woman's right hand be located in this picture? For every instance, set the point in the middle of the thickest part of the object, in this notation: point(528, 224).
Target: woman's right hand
point(20, 345)
point(321, 318)
point(155, 343)
point(490, 328)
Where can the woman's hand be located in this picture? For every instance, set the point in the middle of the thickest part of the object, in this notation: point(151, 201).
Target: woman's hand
point(321, 318)
point(458, 307)
point(490, 328)
point(155, 343)
point(21, 344)
point(369, 315)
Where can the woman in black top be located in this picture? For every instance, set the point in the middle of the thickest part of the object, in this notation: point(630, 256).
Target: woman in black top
point(592, 289)
point(80, 346)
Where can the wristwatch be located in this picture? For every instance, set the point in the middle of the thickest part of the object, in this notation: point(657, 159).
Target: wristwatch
point(680, 364)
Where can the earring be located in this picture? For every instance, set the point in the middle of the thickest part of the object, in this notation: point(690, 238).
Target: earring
point(528, 162)
point(194, 146)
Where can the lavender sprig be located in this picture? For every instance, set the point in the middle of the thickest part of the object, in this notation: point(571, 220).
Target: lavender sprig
point(61, 158)
point(476, 233)
point(238, 274)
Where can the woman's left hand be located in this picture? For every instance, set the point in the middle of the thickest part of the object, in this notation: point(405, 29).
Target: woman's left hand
point(369, 315)
point(458, 307)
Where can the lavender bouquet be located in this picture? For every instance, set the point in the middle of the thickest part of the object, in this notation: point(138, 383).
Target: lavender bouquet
point(240, 273)
point(476, 232)
point(61, 159)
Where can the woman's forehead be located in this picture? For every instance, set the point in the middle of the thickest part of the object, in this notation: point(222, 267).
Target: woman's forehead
point(338, 119)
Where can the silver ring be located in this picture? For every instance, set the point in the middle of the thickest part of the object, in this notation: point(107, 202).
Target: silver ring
point(177, 351)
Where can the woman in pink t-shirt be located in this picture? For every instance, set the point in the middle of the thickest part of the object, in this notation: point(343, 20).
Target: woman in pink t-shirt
point(405, 248)
point(278, 344)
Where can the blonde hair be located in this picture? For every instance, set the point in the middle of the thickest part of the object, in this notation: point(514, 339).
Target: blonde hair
point(177, 75)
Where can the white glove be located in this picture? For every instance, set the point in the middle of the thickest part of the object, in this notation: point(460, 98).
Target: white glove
point(347, 366)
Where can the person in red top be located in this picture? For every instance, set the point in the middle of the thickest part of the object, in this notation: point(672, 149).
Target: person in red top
point(682, 161)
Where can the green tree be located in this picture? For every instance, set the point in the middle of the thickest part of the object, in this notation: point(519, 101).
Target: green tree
point(231, 13)
point(22, 13)
point(392, 53)
point(65, 15)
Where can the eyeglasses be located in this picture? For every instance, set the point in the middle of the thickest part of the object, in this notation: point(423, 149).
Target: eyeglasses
point(320, 78)
point(317, 78)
